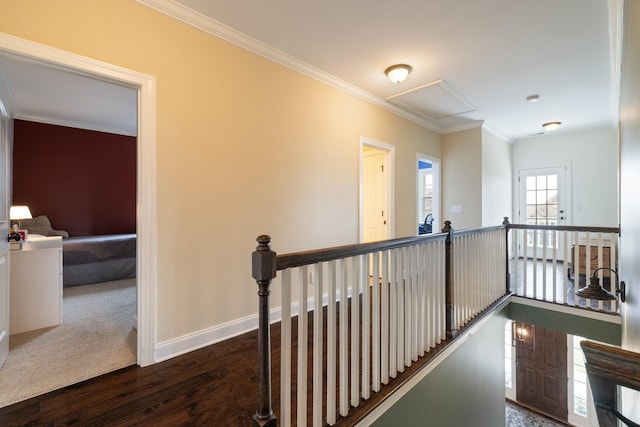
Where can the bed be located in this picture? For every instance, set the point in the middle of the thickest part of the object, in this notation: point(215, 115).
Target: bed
point(90, 259)
point(93, 259)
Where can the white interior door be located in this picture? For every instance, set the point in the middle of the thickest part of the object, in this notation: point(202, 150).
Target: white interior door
point(5, 136)
point(375, 210)
point(542, 202)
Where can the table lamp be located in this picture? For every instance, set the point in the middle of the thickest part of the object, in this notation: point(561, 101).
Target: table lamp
point(19, 212)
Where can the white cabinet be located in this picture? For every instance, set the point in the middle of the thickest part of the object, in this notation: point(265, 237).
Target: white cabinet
point(36, 286)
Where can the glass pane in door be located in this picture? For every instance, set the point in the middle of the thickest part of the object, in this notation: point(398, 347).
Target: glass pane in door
point(541, 196)
point(542, 199)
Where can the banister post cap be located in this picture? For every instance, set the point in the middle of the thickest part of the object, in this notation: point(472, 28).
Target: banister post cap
point(263, 260)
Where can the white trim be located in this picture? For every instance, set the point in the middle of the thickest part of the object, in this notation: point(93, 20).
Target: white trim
point(575, 311)
point(497, 133)
point(391, 196)
point(195, 340)
point(181, 345)
point(378, 411)
point(217, 29)
point(146, 199)
point(466, 126)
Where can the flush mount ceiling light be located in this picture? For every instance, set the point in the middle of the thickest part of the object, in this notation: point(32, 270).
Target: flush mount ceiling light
point(397, 73)
point(533, 98)
point(551, 126)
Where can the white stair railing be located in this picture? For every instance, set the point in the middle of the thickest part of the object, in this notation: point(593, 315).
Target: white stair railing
point(355, 317)
point(549, 263)
point(382, 308)
point(479, 271)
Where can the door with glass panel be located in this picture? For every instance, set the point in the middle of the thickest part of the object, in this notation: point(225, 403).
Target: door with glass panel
point(542, 202)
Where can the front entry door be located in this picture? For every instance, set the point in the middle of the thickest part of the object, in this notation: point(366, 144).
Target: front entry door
point(541, 374)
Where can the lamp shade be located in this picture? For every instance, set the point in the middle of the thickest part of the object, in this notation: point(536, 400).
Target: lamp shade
point(19, 212)
point(594, 291)
point(551, 126)
point(398, 73)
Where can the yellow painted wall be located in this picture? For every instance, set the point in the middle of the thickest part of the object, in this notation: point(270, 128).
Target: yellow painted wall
point(462, 178)
point(244, 147)
point(496, 178)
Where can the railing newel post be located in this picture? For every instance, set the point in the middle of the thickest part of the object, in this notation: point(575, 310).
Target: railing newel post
point(449, 294)
point(506, 224)
point(264, 265)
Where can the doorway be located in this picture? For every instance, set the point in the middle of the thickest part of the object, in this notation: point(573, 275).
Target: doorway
point(145, 87)
point(541, 373)
point(428, 195)
point(543, 201)
point(376, 163)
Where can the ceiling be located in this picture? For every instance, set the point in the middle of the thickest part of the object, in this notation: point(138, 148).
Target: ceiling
point(473, 61)
point(42, 93)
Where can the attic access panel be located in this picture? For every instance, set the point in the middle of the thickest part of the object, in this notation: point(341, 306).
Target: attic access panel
point(434, 100)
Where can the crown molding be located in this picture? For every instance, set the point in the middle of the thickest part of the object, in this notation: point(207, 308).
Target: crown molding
point(197, 20)
point(497, 133)
point(472, 125)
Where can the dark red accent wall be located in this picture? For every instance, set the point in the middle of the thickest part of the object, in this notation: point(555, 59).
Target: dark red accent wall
point(84, 181)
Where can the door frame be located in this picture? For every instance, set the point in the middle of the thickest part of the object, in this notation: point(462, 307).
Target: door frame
point(435, 162)
point(391, 155)
point(6, 132)
point(146, 168)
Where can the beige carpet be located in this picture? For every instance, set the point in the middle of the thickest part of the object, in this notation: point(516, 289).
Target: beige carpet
point(97, 337)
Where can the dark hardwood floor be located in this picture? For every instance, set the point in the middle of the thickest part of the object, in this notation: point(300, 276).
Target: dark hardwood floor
point(213, 386)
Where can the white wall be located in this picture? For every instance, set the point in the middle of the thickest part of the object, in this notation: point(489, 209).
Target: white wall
point(593, 159)
point(496, 178)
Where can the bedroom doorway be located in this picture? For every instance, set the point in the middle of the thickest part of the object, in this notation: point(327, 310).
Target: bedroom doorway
point(144, 85)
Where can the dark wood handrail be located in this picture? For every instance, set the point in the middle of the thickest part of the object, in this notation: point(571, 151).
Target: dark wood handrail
point(299, 259)
point(564, 228)
point(609, 367)
point(469, 231)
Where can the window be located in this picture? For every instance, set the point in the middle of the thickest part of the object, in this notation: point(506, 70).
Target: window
point(542, 199)
point(580, 402)
point(508, 371)
point(427, 186)
point(580, 384)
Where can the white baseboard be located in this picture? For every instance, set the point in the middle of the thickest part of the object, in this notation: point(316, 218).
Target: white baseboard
point(195, 340)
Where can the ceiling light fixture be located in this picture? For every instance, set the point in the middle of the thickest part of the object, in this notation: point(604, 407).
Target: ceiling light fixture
point(397, 73)
point(533, 98)
point(551, 126)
